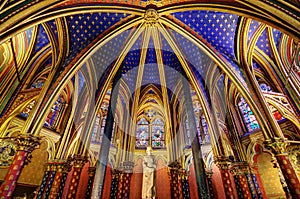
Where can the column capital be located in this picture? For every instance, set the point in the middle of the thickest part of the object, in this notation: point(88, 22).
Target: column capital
point(240, 168)
point(127, 166)
point(91, 171)
point(78, 160)
point(277, 145)
point(209, 173)
point(27, 142)
point(223, 162)
point(175, 165)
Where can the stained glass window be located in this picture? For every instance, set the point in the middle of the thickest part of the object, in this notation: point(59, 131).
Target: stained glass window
point(100, 135)
point(96, 130)
point(248, 116)
point(158, 137)
point(38, 84)
point(265, 87)
point(275, 112)
point(27, 109)
point(205, 138)
point(198, 129)
point(187, 133)
point(53, 117)
point(142, 136)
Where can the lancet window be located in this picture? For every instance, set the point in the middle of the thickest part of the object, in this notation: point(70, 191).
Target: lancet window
point(248, 116)
point(55, 113)
point(150, 134)
point(142, 134)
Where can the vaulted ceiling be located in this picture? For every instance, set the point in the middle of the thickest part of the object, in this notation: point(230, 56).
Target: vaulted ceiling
point(151, 42)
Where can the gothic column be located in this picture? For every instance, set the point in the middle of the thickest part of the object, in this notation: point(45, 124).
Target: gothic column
point(64, 176)
point(253, 174)
point(175, 183)
point(253, 186)
point(61, 168)
point(78, 163)
point(210, 184)
point(278, 146)
point(114, 184)
point(184, 177)
point(127, 168)
point(44, 181)
point(223, 163)
point(26, 144)
point(105, 145)
point(196, 148)
point(91, 172)
point(49, 181)
point(241, 180)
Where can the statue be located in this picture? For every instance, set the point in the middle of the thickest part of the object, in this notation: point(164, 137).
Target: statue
point(148, 190)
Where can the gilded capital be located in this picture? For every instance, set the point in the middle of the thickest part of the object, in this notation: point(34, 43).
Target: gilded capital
point(209, 173)
point(240, 168)
point(27, 142)
point(277, 145)
point(223, 162)
point(79, 161)
point(91, 171)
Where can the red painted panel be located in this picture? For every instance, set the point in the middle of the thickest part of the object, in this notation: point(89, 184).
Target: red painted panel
point(162, 181)
point(192, 183)
point(84, 177)
point(217, 183)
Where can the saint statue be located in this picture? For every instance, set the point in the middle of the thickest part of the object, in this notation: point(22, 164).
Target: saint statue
point(148, 190)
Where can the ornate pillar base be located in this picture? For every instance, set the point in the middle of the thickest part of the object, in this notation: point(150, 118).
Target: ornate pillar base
point(223, 163)
point(26, 144)
point(278, 146)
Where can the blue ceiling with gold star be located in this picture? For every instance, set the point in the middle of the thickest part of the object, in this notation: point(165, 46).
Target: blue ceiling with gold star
point(216, 30)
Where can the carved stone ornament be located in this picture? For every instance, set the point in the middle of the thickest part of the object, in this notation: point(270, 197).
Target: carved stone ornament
point(7, 152)
point(151, 16)
point(27, 142)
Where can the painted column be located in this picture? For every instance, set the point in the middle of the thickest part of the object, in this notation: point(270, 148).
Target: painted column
point(185, 184)
point(26, 144)
point(63, 182)
point(91, 172)
point(175, 183)
point(44, 181)
point(126, 177)
point(240, 180)
point(78, 163)
point(210, 184)
point(258, 189)
point(61, 167)
point(50, 182)
point(278, 146)
point(196, 148)
point(223, 163)
point(251, 185)
point(105, 145)
point(114, 184)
